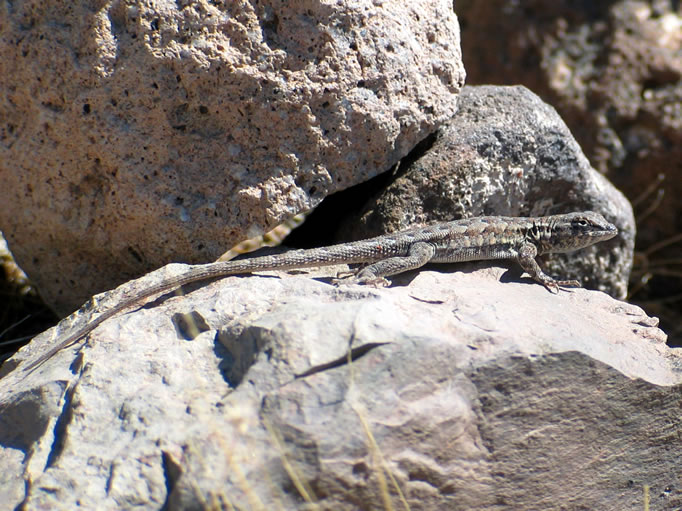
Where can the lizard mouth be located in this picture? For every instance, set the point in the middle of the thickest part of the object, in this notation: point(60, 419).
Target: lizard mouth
point(607, 234)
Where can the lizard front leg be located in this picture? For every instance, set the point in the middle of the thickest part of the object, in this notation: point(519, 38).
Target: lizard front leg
point(526, 258)
point(417, 256)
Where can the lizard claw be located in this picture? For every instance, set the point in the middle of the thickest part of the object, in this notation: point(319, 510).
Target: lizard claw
point(554, 286)
point(344, 275)
point(568, 283)
point(373, 281)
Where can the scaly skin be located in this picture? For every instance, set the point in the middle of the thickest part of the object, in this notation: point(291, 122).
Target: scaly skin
point(473, 239)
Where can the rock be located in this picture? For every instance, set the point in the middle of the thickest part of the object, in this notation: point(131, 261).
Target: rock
point(463, 393)
point(506, 152)
point(134, 134)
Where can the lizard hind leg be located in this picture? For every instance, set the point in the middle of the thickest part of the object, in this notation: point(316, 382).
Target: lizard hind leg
point(373, 274)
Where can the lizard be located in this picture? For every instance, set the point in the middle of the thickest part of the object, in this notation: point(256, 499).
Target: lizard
point(474, 239)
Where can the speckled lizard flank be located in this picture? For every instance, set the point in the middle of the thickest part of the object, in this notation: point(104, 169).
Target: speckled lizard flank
point(481, 238)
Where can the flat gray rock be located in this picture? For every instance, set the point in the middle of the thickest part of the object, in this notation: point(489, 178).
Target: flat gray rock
point(448, 390)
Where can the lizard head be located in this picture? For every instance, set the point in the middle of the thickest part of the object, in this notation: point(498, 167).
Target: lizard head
point(574, 231)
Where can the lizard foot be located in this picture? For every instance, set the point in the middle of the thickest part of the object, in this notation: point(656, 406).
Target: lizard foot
point(554, 286)
point(367, 280)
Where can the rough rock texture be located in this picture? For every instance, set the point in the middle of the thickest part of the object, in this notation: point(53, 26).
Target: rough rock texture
point(506, 152)
point(137, 133)
point(613, 70)
point(463, 393)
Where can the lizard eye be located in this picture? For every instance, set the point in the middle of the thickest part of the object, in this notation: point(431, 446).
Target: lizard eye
point(582, 222)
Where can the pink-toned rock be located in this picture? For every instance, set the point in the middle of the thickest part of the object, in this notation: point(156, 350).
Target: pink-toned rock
point(133, 134)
